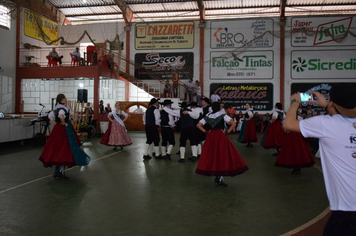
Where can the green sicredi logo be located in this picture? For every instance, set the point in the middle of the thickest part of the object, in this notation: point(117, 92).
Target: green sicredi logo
point(300, 65)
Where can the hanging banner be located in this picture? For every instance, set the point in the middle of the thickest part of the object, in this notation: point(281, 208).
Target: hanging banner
point(50, 28)
point(247, 65)
point(331, 64)
point(163, 66)
point(323, 88)
point(259, 95)
point(236, 33)
point(177, 35)
point(323, 31)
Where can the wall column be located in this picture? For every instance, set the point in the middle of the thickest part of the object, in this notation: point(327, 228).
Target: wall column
point(201, 60)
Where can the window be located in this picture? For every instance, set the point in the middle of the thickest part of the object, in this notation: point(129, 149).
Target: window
point(4, 17)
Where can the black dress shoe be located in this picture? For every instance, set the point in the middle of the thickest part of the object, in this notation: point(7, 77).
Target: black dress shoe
point(115, 148)
point(216, 180)
point(121, 147)
point(158, 157)
point(146, 157)
point(168, 156)
point(275, 154)
point(193, 158)
point(249, 145)
point(181, 160)
point(221, 183)
point(198, 157)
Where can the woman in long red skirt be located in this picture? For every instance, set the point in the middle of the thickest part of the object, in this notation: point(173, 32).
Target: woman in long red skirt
point(219, 157)
point(116, 134)
point(274, 135)
point(62, 147)
point(294, 153)
point(248, 128)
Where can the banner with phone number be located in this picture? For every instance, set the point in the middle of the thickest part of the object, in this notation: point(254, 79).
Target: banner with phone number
point(323, 88)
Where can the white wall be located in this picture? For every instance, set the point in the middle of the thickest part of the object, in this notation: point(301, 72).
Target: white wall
point(8, 64)
point(35, 91)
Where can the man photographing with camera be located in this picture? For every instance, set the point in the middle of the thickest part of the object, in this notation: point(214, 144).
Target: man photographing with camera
point(337, 151)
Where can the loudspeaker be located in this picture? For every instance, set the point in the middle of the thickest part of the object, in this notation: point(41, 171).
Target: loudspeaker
point(83, 95)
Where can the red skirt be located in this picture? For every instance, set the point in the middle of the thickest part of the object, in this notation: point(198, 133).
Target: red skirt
point(116, 135)
point(275, 136)
point(57, 151)
point(219, 157)
point(294, 152)
point(250, 132)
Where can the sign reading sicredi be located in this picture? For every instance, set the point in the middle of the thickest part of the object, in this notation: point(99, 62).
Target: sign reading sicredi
point(322, 31)
point(259, 95)
point(327, 64)
point(247, 65)
point(164, 65)
point(177, 35)
point(237, 33)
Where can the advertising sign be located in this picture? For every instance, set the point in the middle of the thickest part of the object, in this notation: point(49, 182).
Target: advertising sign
point(322, 31)
point(163, 65)
point(259, 95)
point(50, 28)
point(232, 34)
point(177, 35)
point(323, 88)
point(247, 65)
point(330, 64)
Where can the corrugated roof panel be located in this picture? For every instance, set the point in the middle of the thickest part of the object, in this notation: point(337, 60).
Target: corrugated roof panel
point(351, 9)
point(178, 6)
point(318, 2)
point(147, 7)
point(183, 13)
point(78, 3)
point(90, 10)
point(260, 3)
point(98, 17)
point(223, 4)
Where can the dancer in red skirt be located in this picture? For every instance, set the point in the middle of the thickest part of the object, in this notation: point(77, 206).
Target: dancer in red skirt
point(116, 134)
point(274, 135)
point(248, 129)
point(219, 157)
point(62, 147)
point(294, 153)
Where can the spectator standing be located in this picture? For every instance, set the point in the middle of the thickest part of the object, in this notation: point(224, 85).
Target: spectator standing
point(231, 111)
point(108, 108)
point(257, 120)
point(175, 80)
point(336, 133)
point(167, 89)
point(101, 107)
point(198, 92)
point(138, 110)
point(189, 88)
point(215, 97)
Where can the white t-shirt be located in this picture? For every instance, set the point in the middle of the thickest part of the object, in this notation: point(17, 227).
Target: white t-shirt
point(138, 110)
point(214, 98)
point(337, 141)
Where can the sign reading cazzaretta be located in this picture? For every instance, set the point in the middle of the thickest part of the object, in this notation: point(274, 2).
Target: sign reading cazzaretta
point(177, 35)
point(247, 65)
point(322, 31)
point(33, 21)
point(259, 95)
point(323, 64)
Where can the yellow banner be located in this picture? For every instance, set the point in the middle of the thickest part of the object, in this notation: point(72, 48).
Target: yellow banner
point(50, 28)
point(175, 35)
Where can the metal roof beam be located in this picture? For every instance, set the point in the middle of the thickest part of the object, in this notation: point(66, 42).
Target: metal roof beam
point(126, 11)
point(201, 10)
point(282, 11)
point(87, 6)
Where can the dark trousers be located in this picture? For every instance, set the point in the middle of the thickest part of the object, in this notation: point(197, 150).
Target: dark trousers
point(167, 136)
point(152, 134)
point(59, 59)
point(198, 136)
point(175, 90)
point(186, 133)
point(341, 223)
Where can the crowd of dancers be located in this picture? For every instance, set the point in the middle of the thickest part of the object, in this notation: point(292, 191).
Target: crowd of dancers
point(205, 127)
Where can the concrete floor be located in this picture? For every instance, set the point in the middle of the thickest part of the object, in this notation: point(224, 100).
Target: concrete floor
point(120, 194)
